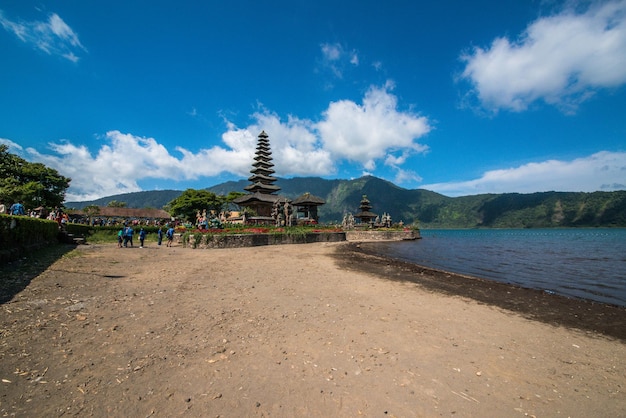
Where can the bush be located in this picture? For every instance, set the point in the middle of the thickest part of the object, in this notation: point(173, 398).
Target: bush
point(19, 234)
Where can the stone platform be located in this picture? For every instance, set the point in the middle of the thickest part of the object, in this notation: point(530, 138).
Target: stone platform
point(382, 235)
point(207, 241)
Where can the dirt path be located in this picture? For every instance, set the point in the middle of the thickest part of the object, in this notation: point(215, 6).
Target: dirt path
point(282, 331)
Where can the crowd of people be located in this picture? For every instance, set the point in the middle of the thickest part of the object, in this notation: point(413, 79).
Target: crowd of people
point(125, 236)
point(16, 208)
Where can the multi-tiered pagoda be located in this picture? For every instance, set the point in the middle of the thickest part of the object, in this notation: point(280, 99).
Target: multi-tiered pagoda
point(365, 216)
point(262, 191)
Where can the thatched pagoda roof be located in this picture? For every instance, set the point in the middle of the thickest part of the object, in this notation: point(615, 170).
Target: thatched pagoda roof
point(256, 197)
point(308, 199)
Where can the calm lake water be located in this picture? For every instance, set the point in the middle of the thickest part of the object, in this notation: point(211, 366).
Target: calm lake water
point(580, 263)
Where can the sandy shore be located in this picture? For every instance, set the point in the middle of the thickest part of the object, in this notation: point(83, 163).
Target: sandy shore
point(297, 330)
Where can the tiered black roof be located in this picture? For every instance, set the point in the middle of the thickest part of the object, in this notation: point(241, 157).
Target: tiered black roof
point(365, 215)
point(262, 181)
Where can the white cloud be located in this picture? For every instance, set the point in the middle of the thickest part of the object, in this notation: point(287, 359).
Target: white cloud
point(295, 147)
point(354, 58)
point(601, 171)
point(13, 147)
point(126, 159)
point(53, 36)
point(358, 133)
point(335, 58)
point(370, 131)
point(331, 52)
point(561, 59)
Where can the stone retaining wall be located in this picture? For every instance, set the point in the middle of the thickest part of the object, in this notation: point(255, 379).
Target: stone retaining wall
point(253, 240)
point(205, 241)
point(374, 235)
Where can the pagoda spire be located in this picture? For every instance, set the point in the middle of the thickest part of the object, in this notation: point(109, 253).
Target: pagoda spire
point(261, 197)
point(262, 179)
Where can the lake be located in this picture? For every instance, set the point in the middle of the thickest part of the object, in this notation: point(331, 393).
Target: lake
point(588, 263)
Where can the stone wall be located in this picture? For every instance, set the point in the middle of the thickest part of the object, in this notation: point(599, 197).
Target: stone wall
point(382, 235)
point(252, 240)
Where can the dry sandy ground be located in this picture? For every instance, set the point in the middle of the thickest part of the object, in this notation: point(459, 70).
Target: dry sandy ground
point(293, 330)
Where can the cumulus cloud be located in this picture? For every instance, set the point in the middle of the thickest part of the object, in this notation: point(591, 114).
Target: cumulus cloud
point(372, 130)
point(601, 171)
point(296, 148)
point(54, 36)
point(367, 133)
point(561, 59)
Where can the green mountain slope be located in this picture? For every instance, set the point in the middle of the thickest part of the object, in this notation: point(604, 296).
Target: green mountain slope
point(152, 199)
point(430, 209)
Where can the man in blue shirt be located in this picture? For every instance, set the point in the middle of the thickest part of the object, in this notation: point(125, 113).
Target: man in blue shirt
point(17, 209)
point(142, 237)
point(170, 236)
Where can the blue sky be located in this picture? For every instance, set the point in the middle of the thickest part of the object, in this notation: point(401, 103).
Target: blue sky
point(452, 96)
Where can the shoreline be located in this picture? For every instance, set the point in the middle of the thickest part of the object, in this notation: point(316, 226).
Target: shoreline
point(534, 304)
point(315, 330)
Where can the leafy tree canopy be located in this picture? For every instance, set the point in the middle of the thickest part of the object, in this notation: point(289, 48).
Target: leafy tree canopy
point(33, 184)
point(91, 210)
point(232, 196)
point(191, 201)
point(116, 204)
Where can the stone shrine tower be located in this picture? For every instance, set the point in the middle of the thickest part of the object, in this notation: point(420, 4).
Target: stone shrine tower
point(262, 190)
point(365, 216)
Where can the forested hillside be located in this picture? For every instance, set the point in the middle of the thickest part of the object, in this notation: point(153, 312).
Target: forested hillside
point(429, 209)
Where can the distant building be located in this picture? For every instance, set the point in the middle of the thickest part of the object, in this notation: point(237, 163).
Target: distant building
point(119, 215)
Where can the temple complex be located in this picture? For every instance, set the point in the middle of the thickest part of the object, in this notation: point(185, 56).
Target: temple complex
point(269, 207)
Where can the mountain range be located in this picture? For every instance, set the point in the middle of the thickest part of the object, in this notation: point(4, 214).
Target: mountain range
point(425, 208)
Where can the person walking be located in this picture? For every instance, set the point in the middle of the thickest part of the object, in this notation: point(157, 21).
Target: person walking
point(142, 237)
point(170, 236)
point(130, 232)
point(128, 236)
point(160, 236)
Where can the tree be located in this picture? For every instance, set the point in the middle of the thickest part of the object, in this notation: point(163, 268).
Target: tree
point(228, 202)
point(232, 196)
point(91, 210)
point(33, 184)
point(116, 204)
point(192, 201)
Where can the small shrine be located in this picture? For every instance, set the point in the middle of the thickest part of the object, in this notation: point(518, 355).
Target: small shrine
point(306, 208)
point(365, 216)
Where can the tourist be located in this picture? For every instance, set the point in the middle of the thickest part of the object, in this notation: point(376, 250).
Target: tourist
point(17, 209)
point(170, 236)
point(128, 236)
point(142, 237)
point(130, 231)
